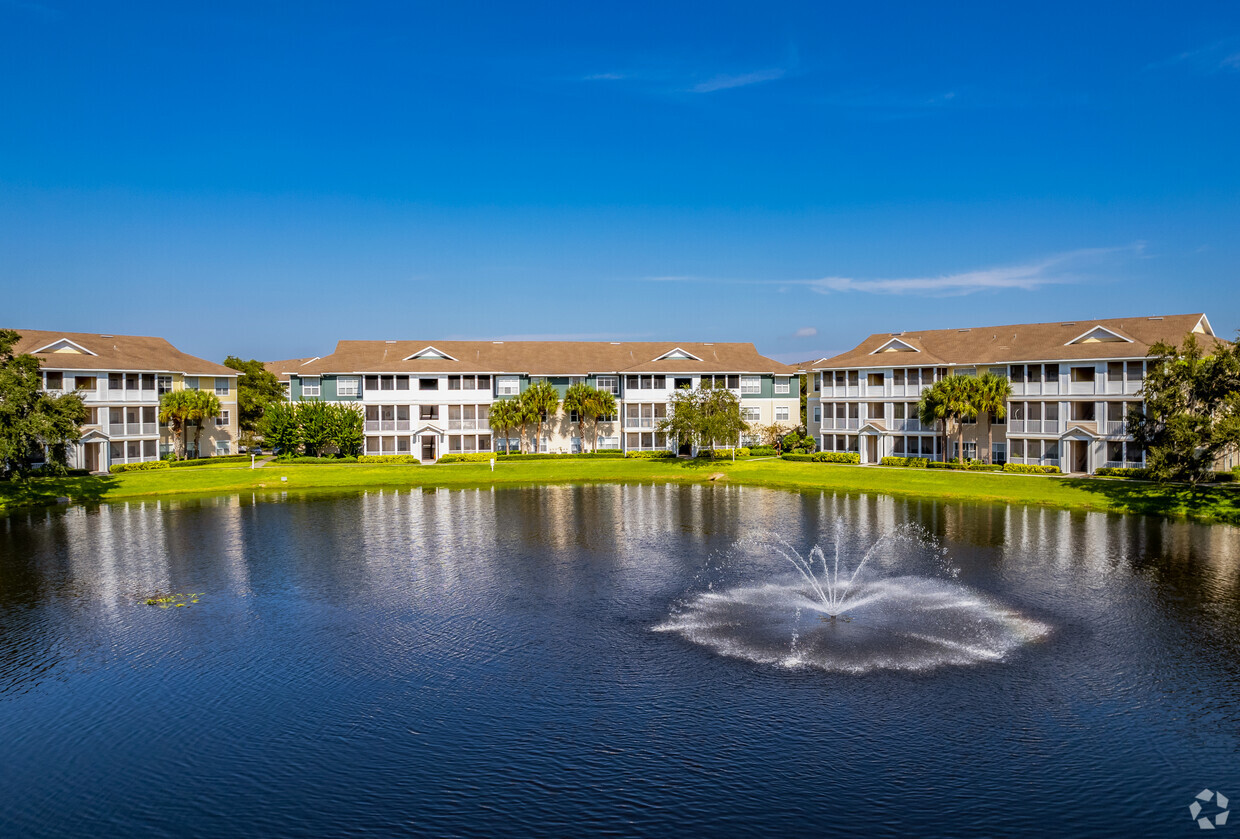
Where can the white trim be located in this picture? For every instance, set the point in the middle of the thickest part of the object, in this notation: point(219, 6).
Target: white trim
point(1094, 329)
point(1209, 330)
point(429, 352)
point(685, 355)
point(910, 347)
point(60, 342)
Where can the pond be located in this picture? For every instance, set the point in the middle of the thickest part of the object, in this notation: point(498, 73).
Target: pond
point(630, 659)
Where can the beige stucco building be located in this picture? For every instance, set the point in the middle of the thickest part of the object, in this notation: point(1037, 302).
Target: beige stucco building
point(1072, 384)
point(429, 398)
point(120, 379)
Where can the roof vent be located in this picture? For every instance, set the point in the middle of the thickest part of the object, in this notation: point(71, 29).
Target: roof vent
point(389, 342)
point(896, 334)
point(497, 342)
point(1147, 319)
point(113, 336)
point(1069, 323)
point(962, 330)
point(615, 343)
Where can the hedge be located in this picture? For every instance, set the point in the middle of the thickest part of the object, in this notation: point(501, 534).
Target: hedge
point(1140, 474)
point(606, 453)
point(915, 462)
point(763, 451)
point(723, 453)
point(388, 458)
point(825, 457)
point(1030, 469)
point(138, 467)
point(309, 459)
point(466, 457)
point(203, 461)
point(657, 454)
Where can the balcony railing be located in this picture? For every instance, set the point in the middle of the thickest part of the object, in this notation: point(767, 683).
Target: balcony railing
point(1115, 426)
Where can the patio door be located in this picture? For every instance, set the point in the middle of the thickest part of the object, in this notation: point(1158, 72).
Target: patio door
point(428, 447)
point(871, 450)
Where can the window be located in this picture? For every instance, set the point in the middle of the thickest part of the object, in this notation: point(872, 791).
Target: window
point(1052, 373)
point(372, 383)
point(163, 384)
point(927, 375)
point(897, 376)
point(131, 381)
point(898, 409)
point(1017, 373)
point(1082, 374)
point(428, 412)
point(611, 384)
point(817, 381)
point(751, 384)
point(221, 421)
point(998, 452)
point(609, 442)
point(1084, 411)
point(387, 383)
point(191, 382)
point(874, 379)
point(221, 386)
point(1018, 448)
point(1115, 371)
point(781, 413)
point(817, 413)
point(508, 385)
point(1134, 371)
point(898, 446)
point(454, 383)
point(402, 382)
point(347, 386)
point(782, 385)
point(55, 381)
point(751, 414)
point(222, 447)
point(839, 378)
point(310, 387)
point(428, 384)
point(852, 378)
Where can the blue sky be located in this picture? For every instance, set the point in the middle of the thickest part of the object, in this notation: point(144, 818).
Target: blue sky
point(262, 179)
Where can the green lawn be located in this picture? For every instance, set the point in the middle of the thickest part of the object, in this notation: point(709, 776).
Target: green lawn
point(1220, 503)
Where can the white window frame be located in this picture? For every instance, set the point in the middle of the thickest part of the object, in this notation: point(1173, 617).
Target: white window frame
point(784, 410)
point(308, 389)
point(221, 386)
point(222, 420)
point(817, 413)
point(753, 414)
point(191, 383)
point(783, 384)
point(508, 385)
point(611, 384)
point(751, 384)
point(222, 448)
point(612, 442)
point(348, 386)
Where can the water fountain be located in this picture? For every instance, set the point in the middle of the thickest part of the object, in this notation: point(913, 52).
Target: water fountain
point(842, 616)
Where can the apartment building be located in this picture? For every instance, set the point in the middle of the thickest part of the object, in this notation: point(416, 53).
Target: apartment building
point(1072, 384)
point(282, 370)
point(121, 378)
point(430, 398)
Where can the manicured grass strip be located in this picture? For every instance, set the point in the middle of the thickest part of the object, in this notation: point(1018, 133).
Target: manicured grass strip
point(1217, 503)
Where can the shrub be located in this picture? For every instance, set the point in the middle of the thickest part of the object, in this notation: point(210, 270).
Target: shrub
point(824, 457)
point(605, 454)
point(309, 459)
point(722, 453)
point(1227, 477)
point(1030, 469)
point(387, 458)
point(916, 462)
point(762, 451)
point(1118, 472)
point(203, 461)
point(466, 457)
point(138, 467)
point(651, 455)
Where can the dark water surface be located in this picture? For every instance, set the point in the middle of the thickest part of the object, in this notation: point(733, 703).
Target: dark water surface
point(487, 662)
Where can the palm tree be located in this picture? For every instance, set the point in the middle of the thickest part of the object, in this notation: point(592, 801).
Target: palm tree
point(505, 415)
point(576, 400)
point(950, 400)
point(601, 403)
point(993, 393)
point(205, 406)
point(174, 409)
point(541, 401)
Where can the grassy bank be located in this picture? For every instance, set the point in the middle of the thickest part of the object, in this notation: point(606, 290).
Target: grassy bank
point(1220, 503)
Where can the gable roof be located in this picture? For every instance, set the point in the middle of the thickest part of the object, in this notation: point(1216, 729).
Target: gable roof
point(128, 353)
point(281, 369)
point(1027, 342)
point(544, 358)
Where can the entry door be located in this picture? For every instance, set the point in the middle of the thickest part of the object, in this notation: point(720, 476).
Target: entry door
point(871, 449)
point(428, 448)
point(1080, 456)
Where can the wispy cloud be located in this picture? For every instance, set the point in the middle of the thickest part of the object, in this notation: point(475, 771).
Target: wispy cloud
point(1217, 57)
point(805, 332)
point(727, 82)
point(1059, 269)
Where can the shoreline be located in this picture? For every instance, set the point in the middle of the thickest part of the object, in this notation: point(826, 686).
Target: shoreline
point(1214, 504)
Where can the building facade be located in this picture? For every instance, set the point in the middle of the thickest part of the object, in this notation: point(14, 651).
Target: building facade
point(1072, 385)
point(433, 398)
point(120, 379)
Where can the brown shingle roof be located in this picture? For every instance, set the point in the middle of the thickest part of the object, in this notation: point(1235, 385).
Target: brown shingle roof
point(552, 358)
point(1022, 342)
point(116, 352)
point(281, 369)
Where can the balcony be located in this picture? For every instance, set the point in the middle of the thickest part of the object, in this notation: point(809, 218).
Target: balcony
point(1082, 388)
point(1115, 427)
